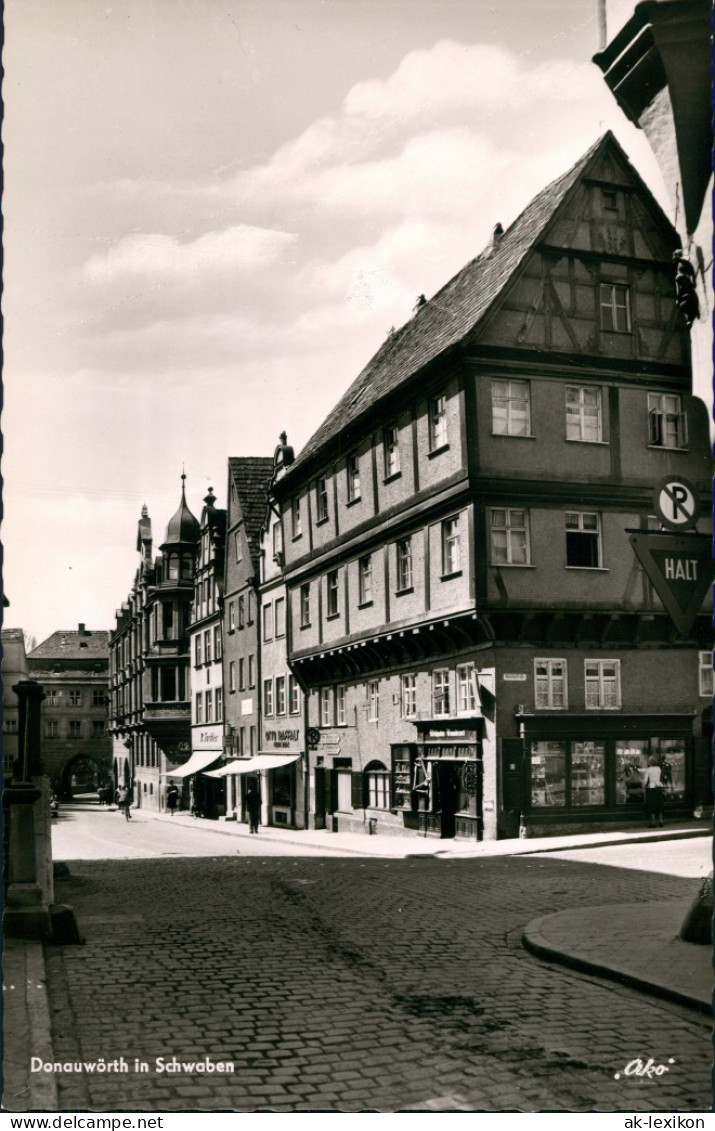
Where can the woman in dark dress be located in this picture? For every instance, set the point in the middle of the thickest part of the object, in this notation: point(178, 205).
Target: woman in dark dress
point(653, 786)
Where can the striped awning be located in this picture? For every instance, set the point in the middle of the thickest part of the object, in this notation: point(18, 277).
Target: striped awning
point(198, 761)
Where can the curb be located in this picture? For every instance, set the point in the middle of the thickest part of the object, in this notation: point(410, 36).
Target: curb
point(537, 944)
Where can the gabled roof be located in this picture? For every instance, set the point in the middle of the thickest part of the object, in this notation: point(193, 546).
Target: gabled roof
point(87, 645)
point(447, 318)
point(251, 476)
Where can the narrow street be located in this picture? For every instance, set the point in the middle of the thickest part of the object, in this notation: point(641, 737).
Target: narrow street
point(352, 984)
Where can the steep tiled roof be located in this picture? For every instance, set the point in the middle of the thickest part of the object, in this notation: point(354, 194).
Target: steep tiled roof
point(89, 645)
point(448, 317)
point(252, 475)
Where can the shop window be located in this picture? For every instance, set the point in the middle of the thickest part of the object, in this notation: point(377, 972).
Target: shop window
point(667, 426)
point(305, 605)
point(280, 695)
point(377, 786)
point(404, 564)
point(450, 546)
point(588, 773)
point(340, 706)
point(373, 700)
point(321, 499)
point(365, 580)
point(440, 692)
point(706, 674)
point(510, 543)
point(583, 540)
point(511, 408)
point(326, 706)
point(332, 585)
point(437, 423)
point(353, 475)
point(670, 753)
point(548, 774)
point(409, 696)
point(615, 308)
point(583, 413)
point(466, 689)
point(550, 685)
point(391, 452)
point(603, 684)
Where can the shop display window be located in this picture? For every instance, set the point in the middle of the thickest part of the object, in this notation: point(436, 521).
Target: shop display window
point(631, 761)
point(548, 774)
point(588, 773)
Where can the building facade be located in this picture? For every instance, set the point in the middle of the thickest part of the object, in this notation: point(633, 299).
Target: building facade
point(482, 650)
point(150, 712)
point(14, 669)
point(73, 669)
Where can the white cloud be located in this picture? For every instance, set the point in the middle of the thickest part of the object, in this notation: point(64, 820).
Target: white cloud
point(240, 248)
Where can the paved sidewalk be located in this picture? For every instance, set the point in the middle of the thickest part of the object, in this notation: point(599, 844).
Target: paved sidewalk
point(402, 847)
point(634, 944)
point(26, 1028)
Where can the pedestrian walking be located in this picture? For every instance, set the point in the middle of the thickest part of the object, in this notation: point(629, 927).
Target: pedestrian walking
point(653, 786)
point(123, 801)
point(172, 799)
point(253, 806)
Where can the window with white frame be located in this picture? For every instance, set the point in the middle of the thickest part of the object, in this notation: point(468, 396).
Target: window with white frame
point(277, 538)
point(391, 451)
point(409, 696)
point(51, 728)
point(404, 564)
point(666, 421)
point(207, 645)
point(511, 407)
point(280, 695)
point(268, 697)
point(239, 545)
point(217, 642)
point(231, 616)
point(603, 684)
point(466, 689)
point(75, 697)
point(199, 708)
point(51, 697)
point(209, 706)
point(198, 650)
point(218, 702)
point(326, 706)
point(232, 675)
point(340, 706)
point(241, 611)
point(377, 783)
point(615, 306)
point(583, 540)
point(365, 580)
point(583, 413)
point(280, 617)
point(450, 546)
point(373, 700)
point(241, 675)
point(510, 542)
point(706, 674)
point(353, 474)
point(437, 423)
point(550, 685)
point(293, 695)
point(440, 692)
point(333, 591)
point(321, 499)
point(296, 523)
point(305, 605)
point(251, 670)
point(268, 621)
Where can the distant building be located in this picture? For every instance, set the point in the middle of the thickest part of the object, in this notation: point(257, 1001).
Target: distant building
point(482, 649)
point(73, 669)
point(150, 713)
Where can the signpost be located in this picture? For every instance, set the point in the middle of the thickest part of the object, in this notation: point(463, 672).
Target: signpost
point(680, 565)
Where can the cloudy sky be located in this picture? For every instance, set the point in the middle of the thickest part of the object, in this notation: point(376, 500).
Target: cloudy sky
point(215, 210)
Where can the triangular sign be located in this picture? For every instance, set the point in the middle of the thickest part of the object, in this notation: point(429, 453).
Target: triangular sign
point(681, 569)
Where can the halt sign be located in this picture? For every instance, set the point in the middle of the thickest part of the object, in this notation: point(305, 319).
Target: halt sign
point(681, 569)
point(676, 503)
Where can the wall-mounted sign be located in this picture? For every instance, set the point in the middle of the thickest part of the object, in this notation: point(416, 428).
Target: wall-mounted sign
point(281, 739)
point(207, 738)
point(247, 707)
point(681, 569)
point(676, 503)
point(514, 677)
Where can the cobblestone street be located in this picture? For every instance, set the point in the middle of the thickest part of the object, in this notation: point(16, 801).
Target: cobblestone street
point(357, 984)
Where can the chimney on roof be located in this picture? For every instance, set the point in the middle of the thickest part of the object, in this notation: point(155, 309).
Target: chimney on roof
point(497, 234)
point(81, 630)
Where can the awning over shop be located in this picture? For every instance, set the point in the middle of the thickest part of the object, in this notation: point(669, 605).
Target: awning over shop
point(198, 761)
point(255, 764)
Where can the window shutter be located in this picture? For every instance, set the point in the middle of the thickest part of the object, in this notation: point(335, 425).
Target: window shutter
point(358, 791)
point(655, 421)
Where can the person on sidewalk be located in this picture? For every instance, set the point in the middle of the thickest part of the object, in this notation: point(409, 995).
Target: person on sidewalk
point(253, 806)
point(123, 801)
point(172, 799)
point(653, 786)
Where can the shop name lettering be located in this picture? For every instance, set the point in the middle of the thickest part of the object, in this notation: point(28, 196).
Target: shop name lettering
point(281, 737)
point(680, 569)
